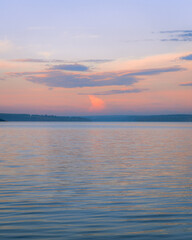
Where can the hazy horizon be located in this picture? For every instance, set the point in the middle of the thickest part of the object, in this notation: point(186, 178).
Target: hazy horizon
point(96, 114)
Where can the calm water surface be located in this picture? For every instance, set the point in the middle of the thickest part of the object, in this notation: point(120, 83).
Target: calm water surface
point(95, 181)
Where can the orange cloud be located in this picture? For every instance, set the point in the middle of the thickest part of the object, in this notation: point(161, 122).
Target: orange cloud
point(97, 104)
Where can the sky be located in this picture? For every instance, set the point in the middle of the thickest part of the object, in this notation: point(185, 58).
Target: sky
point(96, 57)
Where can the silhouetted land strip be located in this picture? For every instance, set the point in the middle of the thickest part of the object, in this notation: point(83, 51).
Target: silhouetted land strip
point(105, 118)
point(40, 118)
point(1, 120)
point(143, 118)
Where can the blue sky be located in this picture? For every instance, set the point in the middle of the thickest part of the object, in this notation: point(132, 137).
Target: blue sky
point(103, 28)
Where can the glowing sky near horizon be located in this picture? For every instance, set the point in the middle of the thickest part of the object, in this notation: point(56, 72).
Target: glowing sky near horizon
point(84, 57)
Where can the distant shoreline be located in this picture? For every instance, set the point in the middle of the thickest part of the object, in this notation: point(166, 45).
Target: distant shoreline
point(102, 118)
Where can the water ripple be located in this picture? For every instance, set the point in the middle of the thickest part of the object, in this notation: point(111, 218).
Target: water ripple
point(96, 181)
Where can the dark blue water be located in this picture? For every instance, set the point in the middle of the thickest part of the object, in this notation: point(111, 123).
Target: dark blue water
point(96, 181)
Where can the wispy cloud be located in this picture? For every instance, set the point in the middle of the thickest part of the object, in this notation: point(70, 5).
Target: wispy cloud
point(37, 60)
point(59, 78)
point(70, 67)
point(23, 74)
point(156, 71)
point(178, 35)
point(186, 84)
point(40, 60)
point(69, 80)
point(188, 57)
point(112, 92)
point(97, 60)
point(176, 31)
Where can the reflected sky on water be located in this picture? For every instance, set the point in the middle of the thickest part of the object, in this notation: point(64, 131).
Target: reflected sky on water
point(95, 180)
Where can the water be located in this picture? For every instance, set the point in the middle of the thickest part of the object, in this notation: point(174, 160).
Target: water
point(95, 181)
